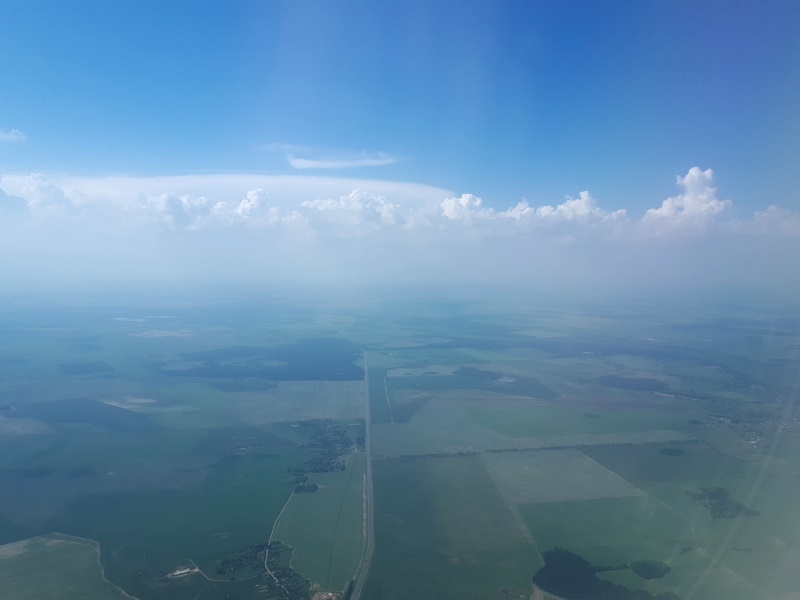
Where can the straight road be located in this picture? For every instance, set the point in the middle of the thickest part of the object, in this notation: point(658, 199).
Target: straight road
point(369, 515)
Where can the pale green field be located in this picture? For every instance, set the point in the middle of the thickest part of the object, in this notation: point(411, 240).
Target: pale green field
point(616, 531)
point(743, 557)
point(635, 520)
point(204, 480)
point(419, 371)
point(522, 421)
point(553, 476)
point(444, 531)
point(694, 575)
point(456, 421)
point(761, 549)
point(422, 357)
point(301, 400)
point(408, 439)
point(326, 528)
point(54, 567)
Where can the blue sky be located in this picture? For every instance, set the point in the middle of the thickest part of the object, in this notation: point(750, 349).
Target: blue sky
point(508, 102)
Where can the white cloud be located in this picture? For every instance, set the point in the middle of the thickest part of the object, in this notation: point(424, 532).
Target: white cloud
point(45, 198)
point(578, 212)
point(352, 208)
point(465, 208)
point(196, 213)
point(180, 212)
point(775, 221)
point(356, 213)
point(363, 160)
point(582, 209)
point(13, 135)
point(285, 191)
point(519, 212)
point(579, 218)
point(691, 211)
point(254, 208)
point(253, 226)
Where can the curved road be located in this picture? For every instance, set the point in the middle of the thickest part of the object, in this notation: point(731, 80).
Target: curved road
point(369, 516)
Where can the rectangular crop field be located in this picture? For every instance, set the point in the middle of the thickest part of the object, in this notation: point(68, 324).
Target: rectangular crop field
point(326, 528)
point(54, 567)
point(444, 531)
point(605, 521)
point(301, 400)
point(553, 476)
point(531, 421)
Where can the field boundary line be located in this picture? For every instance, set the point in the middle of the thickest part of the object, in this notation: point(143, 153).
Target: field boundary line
point(690, 522)
point(331, 554)
point(526, 533)
point(734, 573)
point(98, 553)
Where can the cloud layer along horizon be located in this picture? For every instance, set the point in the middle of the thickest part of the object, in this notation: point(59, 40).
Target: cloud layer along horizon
point(255, 227)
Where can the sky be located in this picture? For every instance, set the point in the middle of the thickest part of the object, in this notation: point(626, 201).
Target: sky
point(548, 144)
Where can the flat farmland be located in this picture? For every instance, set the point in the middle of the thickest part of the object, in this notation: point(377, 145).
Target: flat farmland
point(495, 434)
point(677, 462)
point(55, 567)
point(470, 420)
point(301, 400)
point(695, 573)
point(760, 547)
point(606, 521)
point(737, 558)
point(520, 421)
point(145, 535)
point(326, 528)
point(444, 531)
point(532, 477)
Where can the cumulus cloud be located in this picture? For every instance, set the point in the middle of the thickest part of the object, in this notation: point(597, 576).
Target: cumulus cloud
point(775, 221)
point(582, 209)
point(354, 214)
point(353, 208)
point(203, 201)
point(255, 208)
point(691, 211)
point(196, 213)
point(319, 227)
point(363, 160)
point(465, 208)
point(45, 198)
point(12, 135)
point(522, 217)
point(180, 212)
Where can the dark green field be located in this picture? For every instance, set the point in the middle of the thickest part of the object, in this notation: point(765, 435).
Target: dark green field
point(443, 520)
point(174, 436)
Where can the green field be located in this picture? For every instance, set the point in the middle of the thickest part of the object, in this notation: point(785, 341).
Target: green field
point(301, 400)
point(147, 534)
point(532, 477)
point(55, 567)
point(498, 431)
point(635, 520)
point(533, 421)
point(653, 462)
point(447, 424)
point(612, 532)
point(444, 531)
point(326, 528)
